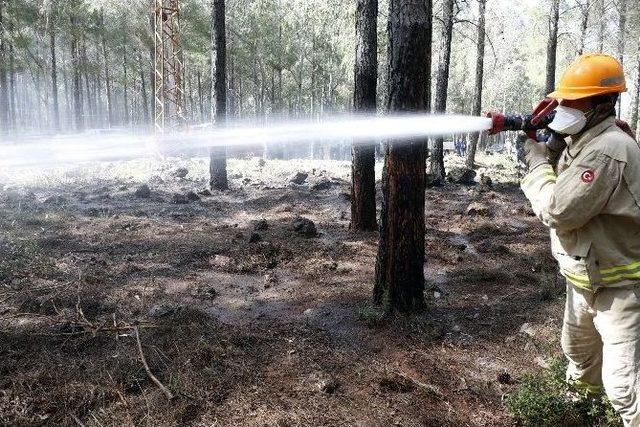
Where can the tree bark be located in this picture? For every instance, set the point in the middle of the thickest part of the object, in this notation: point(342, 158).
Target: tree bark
point(428, 47)
point(107, 77)
point(54, 80)
point(77, 77)
point(636, 101)
point(400, 261)
point(143, 88)
point(552, 46)
point(363, 180)
point(12, 90)
point(4, 89)
point(603, 23)
point(584, 25)
point(218, 155)
point(442, 85)
point(622, 28)
point(125, 113)
point(477, 97)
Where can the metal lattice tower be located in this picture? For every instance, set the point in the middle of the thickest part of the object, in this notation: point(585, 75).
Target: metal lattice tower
point(169, 92)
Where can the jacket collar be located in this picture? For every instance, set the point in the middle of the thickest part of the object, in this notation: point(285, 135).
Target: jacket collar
point(576, 146)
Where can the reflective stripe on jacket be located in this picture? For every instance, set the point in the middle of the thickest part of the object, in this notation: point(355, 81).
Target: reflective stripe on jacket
point(591, 203)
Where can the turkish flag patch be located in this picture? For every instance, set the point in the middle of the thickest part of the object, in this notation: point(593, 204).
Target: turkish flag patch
point(588, 176)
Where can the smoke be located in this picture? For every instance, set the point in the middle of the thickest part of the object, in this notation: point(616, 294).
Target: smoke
point(96, 147)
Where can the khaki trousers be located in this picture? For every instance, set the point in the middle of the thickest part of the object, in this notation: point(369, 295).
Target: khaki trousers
point(601, 339)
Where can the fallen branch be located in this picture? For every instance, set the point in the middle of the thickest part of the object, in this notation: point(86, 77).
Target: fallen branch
point(77, 420)
point(161, 386)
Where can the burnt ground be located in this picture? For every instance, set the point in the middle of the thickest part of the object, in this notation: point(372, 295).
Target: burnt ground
point(275, 330)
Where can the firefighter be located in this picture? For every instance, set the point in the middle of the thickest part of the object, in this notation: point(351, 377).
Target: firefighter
point(588, 194)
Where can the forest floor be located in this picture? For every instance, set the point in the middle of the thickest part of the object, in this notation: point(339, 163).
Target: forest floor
point(249, 323)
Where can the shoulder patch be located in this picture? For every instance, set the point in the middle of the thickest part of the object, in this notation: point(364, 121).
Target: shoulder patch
point(588, 176)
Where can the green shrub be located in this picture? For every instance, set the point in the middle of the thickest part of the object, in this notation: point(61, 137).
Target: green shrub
point(545, 400)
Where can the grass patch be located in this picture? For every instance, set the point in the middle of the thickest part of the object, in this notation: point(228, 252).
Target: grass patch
point(371, 316)
point(542, 400)
point(21, 258)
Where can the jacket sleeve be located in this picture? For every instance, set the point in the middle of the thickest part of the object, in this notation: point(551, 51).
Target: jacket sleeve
point(569, 200)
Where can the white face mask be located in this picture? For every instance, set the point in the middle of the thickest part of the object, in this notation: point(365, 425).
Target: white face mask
point(568, 121)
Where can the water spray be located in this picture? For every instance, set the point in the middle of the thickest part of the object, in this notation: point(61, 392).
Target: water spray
point(86, 148)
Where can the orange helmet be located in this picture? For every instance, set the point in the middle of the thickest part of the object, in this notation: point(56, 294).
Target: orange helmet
point(590, 75)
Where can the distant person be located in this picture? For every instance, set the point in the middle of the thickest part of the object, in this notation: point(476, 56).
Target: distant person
point(588, 194)
point(463, 148)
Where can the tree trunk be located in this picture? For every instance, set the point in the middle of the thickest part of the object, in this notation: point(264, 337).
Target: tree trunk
point(442, 85)
point(428, 47)
point(400, 262)
point(87, 86)
point(200, 99)
point(4, 89)
point(77, 78)
point(363, 180)
point(125, 115)
point(603, 23)
point(552, 45)
point(477, 97)
point(12, 90)
point(54, 80)
point(218, 155)
point(584, 25)
point(622, 27)
point(107, 82)
point(143, 88)
point(636, 101)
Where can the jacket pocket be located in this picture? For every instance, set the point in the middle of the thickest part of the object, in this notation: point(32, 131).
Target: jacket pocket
point(580, 269)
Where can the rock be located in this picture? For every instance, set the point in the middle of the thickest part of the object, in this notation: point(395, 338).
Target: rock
point(305, 227)
point(528, 329)
point(478, 209)
point(298, 178)
point(192, 196)
point(236, 175)
point(143, 192)
point(163, 310)
point(246, 181)
point(181, 172)
point(328, 385)
point(179, 199)
point(205, 193)
point(255, 238)
point(261, 163)
point(324, 184)
point(432, 180)
point(456, 328)
point(270, 280)
point(461, 176)
point(261, 225)
point(437, 295)
point(220, 261)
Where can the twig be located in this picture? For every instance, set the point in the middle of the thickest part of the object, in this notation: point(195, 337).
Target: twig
point(77, 420)
point(161, 386)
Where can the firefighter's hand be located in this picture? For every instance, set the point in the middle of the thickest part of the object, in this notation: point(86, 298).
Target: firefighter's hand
point(626, 128)
point(535, 153)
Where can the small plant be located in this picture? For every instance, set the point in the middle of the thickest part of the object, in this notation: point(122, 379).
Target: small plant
point(544, 399)
point(372, 316)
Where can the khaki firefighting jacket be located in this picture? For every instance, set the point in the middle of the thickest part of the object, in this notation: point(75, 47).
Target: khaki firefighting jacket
point(591, 202)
